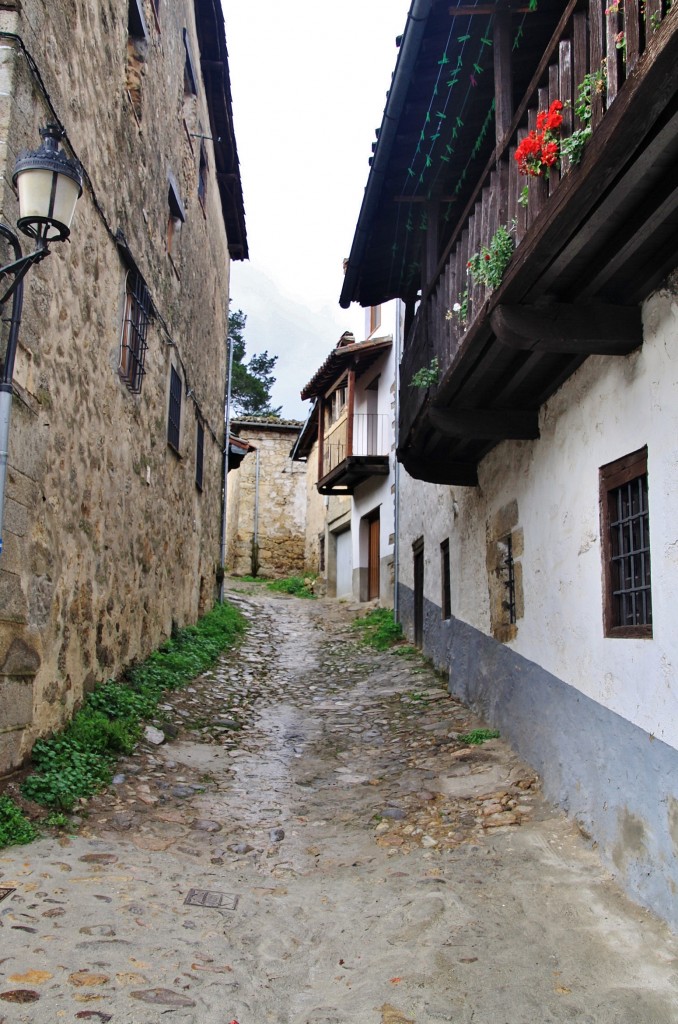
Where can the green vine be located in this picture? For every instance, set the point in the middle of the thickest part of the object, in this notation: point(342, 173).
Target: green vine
point(488, 266)
point(427, 376)
point(591, 85)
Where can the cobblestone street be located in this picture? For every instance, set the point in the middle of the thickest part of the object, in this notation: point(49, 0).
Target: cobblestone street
point(314, 844)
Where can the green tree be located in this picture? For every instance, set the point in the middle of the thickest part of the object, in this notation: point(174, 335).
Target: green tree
point(252, 380)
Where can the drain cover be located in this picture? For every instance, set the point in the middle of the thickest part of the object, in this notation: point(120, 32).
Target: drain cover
point(4, 893)
point(214, 900)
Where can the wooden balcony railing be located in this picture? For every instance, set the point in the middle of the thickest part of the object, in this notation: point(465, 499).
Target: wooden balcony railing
point(369, 436)
point(604, 40)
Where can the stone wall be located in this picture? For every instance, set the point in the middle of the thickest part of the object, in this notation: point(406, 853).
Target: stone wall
point(108, 540)
point(266, 505)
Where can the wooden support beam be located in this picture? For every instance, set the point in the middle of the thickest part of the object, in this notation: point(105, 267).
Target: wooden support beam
point(485, 424)
point(503, 76)
point(561, 327)
point(439, 471)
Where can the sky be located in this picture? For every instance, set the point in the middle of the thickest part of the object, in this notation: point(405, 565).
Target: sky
point(309, 81)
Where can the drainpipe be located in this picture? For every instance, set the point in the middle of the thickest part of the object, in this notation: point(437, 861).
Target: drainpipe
point(396, 414)
point(222, 555)
point(255, 534)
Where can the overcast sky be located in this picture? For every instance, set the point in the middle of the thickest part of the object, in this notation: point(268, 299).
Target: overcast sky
point(309, 81)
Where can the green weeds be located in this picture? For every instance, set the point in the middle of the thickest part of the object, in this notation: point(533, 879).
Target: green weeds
point(78, 761)
point(298, 586)
point(478, 736)
point(378, 629)
point(15, 828)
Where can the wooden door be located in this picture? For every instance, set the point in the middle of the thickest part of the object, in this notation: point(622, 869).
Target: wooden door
point(373, 560)
point(419, 597)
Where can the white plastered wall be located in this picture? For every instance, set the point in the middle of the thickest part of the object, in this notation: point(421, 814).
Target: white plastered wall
point(612, 406)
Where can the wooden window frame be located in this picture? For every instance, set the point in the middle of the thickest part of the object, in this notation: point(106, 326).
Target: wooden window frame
point(190, 71)
point(372, 319)
point(613, 476)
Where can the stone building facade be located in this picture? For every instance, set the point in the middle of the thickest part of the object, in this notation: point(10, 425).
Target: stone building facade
point(266, 502)
point(112, 518)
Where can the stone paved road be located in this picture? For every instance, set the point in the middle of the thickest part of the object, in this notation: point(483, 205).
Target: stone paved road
point(315, 845)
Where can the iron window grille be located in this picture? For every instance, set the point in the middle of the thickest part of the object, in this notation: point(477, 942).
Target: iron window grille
point(174, 415)
point(134, 331)
point(445, 571)
point(199, 455)
point(625, 530)
point(509, 572)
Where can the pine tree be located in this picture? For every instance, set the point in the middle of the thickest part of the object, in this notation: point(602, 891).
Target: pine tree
point(252, 380)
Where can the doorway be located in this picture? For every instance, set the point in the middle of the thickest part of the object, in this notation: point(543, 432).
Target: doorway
point(373, 557)
point(418, 557)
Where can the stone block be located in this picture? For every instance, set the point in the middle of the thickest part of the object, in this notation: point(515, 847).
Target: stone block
point(16, 702)
point(13, 605)
point(21, 660)
point(11, 746)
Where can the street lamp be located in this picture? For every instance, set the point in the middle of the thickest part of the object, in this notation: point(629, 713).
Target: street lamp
point(49, 185)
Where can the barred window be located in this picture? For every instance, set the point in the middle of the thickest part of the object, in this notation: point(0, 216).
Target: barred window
point(202, 176)
point(134, 330)
point(625, 532)
point(174, 415)
point(199, 455)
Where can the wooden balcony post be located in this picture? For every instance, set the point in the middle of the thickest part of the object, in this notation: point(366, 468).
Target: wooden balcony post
point(349, 413)
point(503, 84)
point(321, 436)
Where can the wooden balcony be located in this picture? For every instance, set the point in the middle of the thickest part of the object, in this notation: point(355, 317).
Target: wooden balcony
point(354, 449)
point(593, 240)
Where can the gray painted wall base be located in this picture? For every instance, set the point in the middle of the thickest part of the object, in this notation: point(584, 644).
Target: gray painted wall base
point(618, 782)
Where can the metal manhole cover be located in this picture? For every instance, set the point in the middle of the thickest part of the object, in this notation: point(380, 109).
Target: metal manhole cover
point(213, 900)
point(5, 892)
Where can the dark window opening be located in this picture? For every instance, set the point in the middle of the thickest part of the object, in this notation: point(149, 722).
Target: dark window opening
point(625, 531)
point(508, 570)
point(445, 571)
point(137, 45)
point(190, 75)
point(174, 415)
point(202, 176)
point(321, 554)
point(199, 455)
point(177, 216)
point(134, 331)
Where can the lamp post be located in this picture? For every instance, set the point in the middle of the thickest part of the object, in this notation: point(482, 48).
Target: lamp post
point(49, 185)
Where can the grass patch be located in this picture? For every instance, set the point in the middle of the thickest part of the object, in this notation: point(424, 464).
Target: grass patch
point(378, 629)
point(253, 579)
point(15, 828)
point(78, 761)
point(478, 736)
point(298, 586)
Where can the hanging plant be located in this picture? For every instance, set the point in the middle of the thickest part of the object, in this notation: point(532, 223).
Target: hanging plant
point(593, 84)
point(487, 266)
point(540, 150)
point(427, 376)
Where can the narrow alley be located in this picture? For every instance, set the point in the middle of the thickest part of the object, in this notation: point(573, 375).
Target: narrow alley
point(313, 843)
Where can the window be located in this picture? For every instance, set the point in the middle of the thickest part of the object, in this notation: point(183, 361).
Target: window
point(176, 218)
point(338, 401)
point(190, 76)
point(321, 553)
point(174, 415)
point(199, 454)
point(625, 535)
point(202, 176)
point(372, 319)
point(137, 47)
point(509, 578)
point(134, 330)
point(446, 599)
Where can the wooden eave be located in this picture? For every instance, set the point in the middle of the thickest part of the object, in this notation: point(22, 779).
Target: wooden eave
point(359, 357)
point(214, 66)
point(602, 243)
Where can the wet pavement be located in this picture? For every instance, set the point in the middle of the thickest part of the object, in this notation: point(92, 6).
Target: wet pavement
point(313, 843)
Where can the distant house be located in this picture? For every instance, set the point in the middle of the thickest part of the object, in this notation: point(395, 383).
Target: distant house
point(114, 482)
point(266, 501)
point(539, 508)
point(348, 444)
